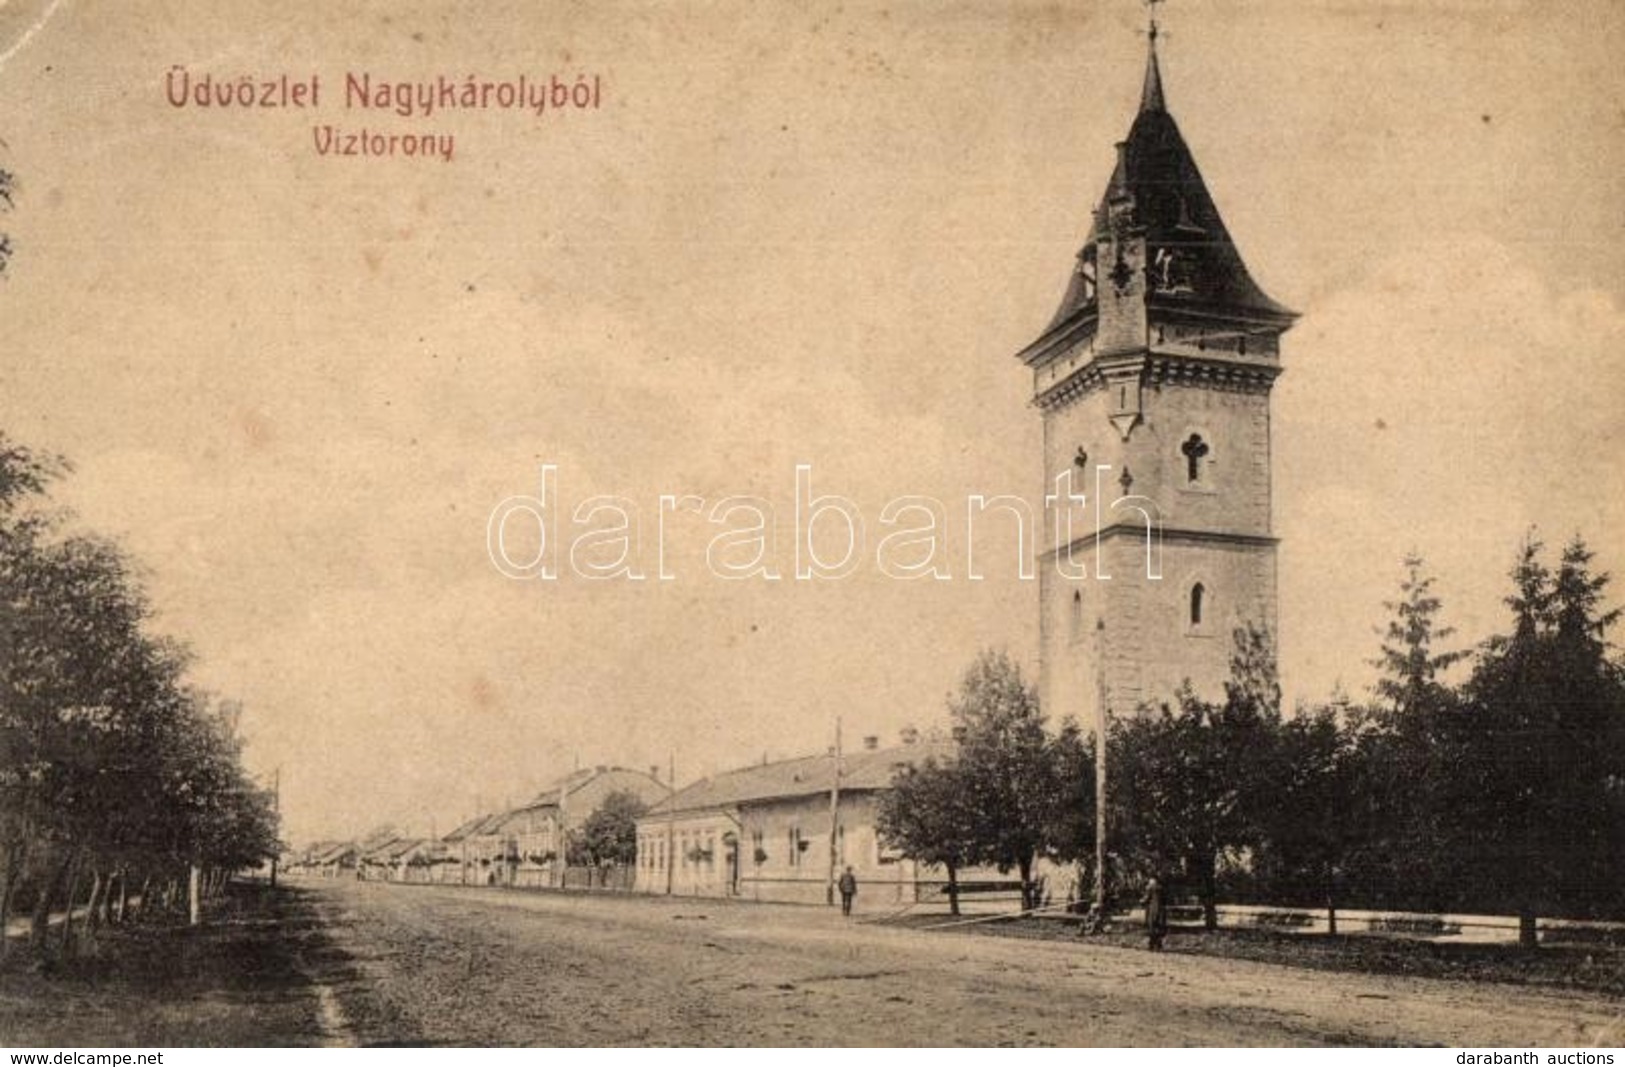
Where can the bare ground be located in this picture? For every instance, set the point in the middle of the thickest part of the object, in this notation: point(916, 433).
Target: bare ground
point(349, 963)
point(459, 966)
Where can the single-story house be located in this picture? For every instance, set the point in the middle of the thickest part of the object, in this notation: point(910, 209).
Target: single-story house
point(337, 860)
point(765, 832)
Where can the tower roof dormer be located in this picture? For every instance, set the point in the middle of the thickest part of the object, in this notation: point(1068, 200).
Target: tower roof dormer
point(1157, 192)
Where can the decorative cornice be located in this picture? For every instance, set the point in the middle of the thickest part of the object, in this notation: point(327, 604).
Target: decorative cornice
point(1075, 329)
point(1086, 379)
point(1158, 369)
point(1176, 534)
point(1222, 374)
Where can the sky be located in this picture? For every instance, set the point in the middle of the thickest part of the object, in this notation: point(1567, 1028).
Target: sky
point(296, 385)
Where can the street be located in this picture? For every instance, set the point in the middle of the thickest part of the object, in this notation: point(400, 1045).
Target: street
point(449, 965)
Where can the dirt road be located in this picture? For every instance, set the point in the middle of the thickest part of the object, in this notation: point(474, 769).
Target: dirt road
point(419, 964)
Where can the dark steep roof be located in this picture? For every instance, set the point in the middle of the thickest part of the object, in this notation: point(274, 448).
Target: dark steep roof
point(1178, 213)
point(478, 826)
point(334, 853)
point(1173, 205)
point(392, 850)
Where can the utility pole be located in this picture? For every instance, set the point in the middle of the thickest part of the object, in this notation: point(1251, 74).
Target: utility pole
point(562, 863)
point(1101, 726)
point(834, 815)
point(276, 808)
point(671, 823)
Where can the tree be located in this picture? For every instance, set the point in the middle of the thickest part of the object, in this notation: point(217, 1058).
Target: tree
point(1069, 834)
point(110, 765)
point(1190, 781)
point(1534, 796)
point(1314, 832)
point(1409, 663)
point(8, 184)
point(1006, 766)
point(609, 836)
point(930, 818)
point(1401, 757)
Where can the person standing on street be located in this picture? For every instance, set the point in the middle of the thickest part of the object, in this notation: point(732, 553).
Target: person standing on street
point(848, 885)
point(1156, 915)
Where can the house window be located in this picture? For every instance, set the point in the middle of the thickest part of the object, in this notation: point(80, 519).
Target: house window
point(1194, 450)
point(1198, 604)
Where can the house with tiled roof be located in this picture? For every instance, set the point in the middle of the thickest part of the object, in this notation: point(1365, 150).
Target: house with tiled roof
point(479, 848)
point(527, 845)
point(781, 830)
point(541, 829)
point(402, 859)
point(334, 860)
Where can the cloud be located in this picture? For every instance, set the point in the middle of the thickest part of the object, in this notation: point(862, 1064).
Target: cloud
point(1445, 401)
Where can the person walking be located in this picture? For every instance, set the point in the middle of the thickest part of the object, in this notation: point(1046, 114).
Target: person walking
point(848, 885)
point(1156, 914)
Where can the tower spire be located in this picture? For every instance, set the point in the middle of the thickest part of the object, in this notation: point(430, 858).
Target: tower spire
point(1151, 95)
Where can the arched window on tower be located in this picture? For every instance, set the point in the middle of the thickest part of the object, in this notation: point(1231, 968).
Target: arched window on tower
point(1198, 604)
point(1194, 450)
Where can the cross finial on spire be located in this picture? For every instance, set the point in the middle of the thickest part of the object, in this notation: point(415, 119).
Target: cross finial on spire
point(1151, 96)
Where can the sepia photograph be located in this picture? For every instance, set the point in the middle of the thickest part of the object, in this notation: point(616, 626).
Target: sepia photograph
point(670, 524)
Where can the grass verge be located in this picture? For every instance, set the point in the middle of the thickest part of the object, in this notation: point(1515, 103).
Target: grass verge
point(241, 979)
point(1590, 968)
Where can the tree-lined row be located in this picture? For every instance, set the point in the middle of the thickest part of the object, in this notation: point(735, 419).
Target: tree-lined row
point(118, 779)
point(1503, 794)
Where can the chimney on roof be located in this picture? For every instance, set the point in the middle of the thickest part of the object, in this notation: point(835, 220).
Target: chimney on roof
point(601, 768)
point(910, 736)
point(654, 771)
point(870, 743)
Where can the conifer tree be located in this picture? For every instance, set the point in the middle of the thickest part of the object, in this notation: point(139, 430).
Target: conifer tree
point(1536, 750)
point(1409, 659)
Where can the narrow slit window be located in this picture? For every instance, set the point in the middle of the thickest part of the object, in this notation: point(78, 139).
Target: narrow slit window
point(1198, 603)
